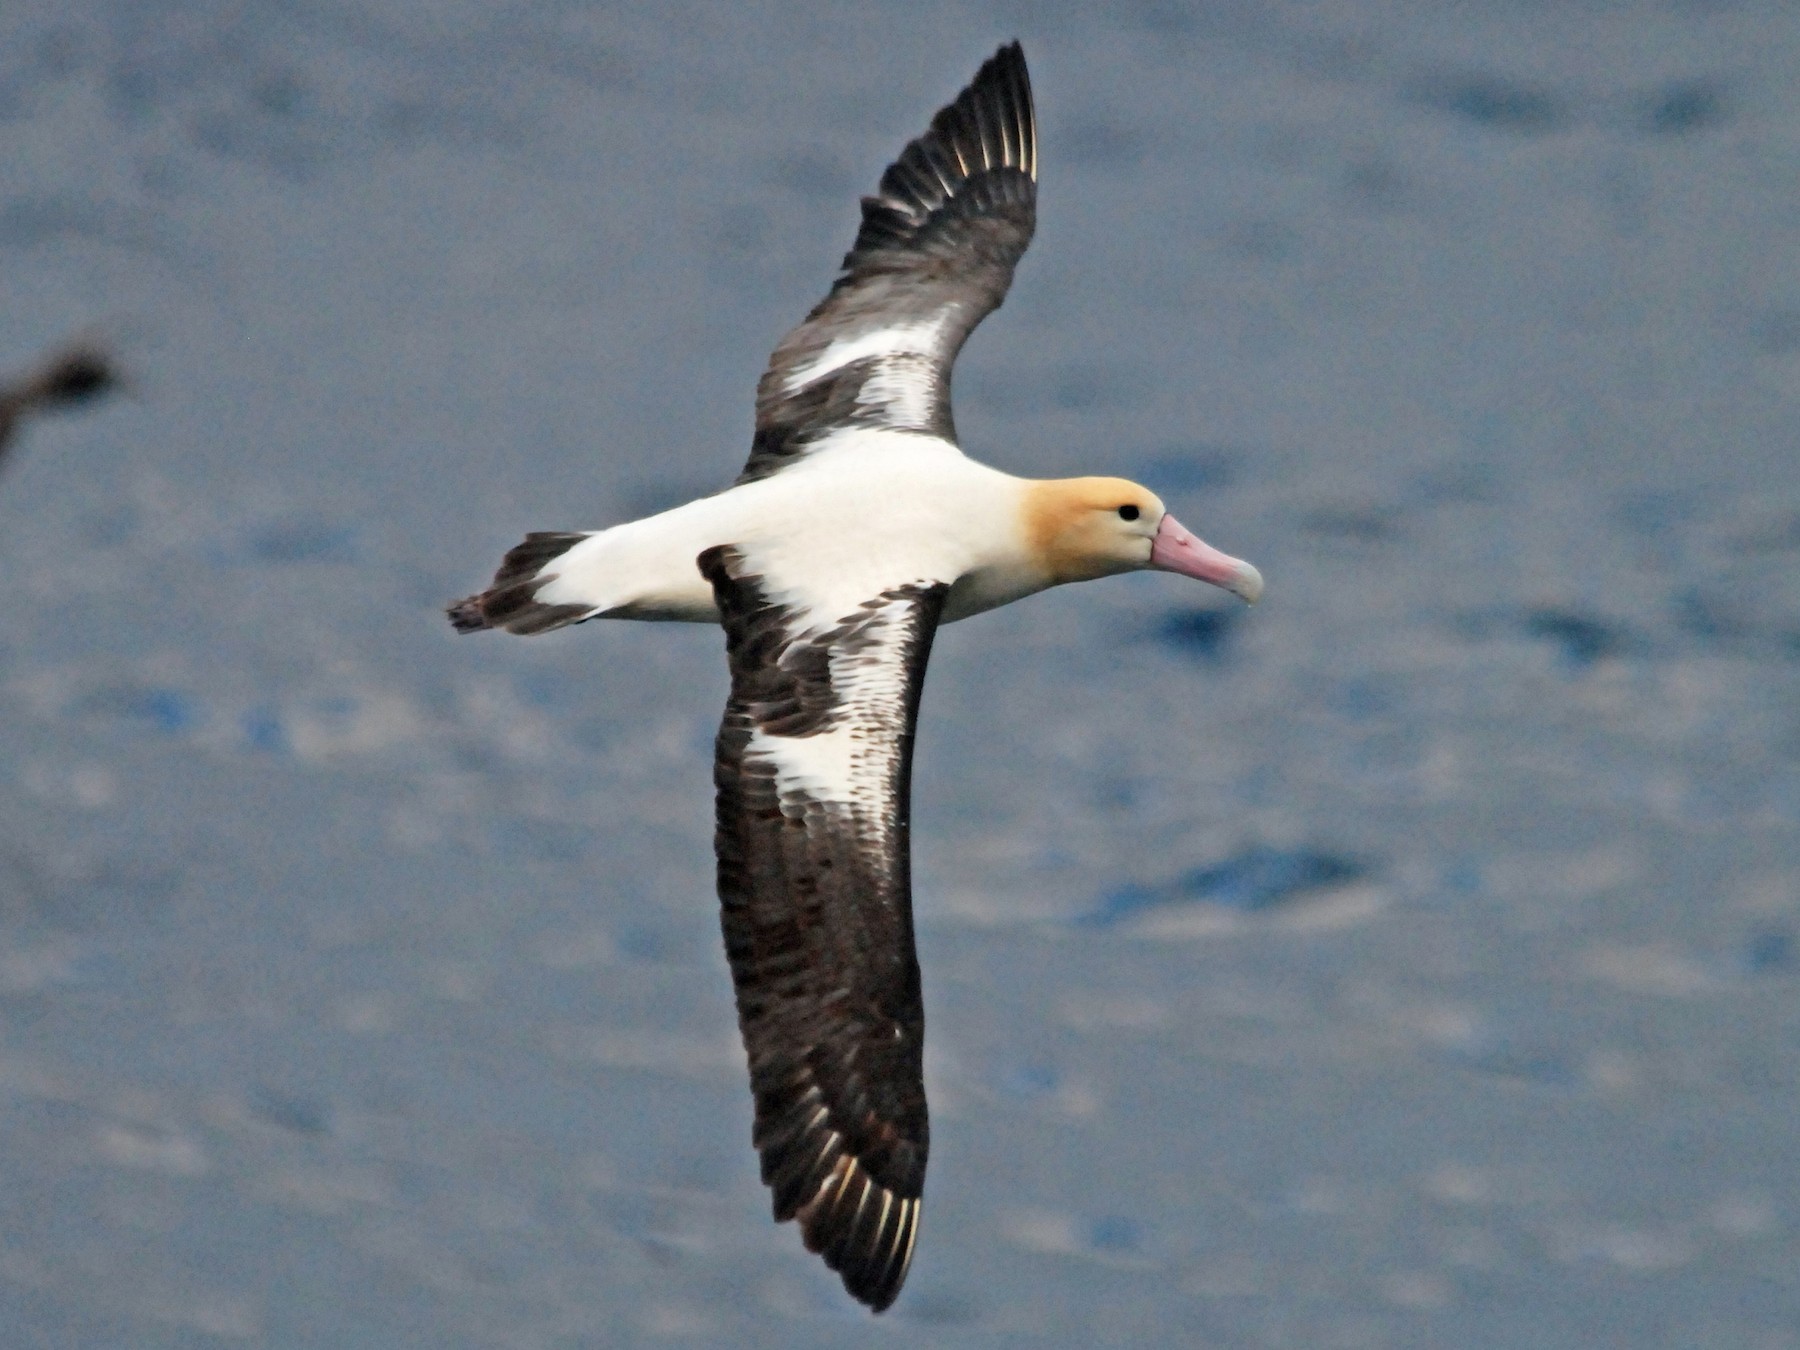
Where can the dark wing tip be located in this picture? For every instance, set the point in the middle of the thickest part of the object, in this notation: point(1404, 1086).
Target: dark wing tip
point(865, 1231)
point(992, 118)
point(979, 153)
point(856, 1194)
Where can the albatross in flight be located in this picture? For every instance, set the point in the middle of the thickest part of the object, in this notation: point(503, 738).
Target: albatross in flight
point(857, 527)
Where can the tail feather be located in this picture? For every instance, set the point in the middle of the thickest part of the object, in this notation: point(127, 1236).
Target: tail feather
point(466, 616)
point(511, 601)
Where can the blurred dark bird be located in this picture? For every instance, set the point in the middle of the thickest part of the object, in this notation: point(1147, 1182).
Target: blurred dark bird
point(78, 374)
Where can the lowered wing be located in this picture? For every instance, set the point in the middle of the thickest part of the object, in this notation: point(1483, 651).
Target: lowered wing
point(813, 774)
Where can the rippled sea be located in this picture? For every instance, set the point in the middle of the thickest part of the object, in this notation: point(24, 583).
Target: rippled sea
point(1412, 960)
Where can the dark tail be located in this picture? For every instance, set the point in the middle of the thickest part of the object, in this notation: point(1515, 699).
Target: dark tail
point(511, 601)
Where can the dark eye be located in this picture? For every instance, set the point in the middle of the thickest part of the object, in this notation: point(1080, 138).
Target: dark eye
point(1128, 512)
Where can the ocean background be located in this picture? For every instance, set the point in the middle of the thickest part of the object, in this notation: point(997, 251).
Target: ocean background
point(1412, 960)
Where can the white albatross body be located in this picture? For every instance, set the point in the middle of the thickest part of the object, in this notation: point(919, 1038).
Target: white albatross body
point(856, 528)
point(941, 514)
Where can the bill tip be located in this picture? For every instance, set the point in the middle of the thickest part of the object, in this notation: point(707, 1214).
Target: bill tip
point(1248, 586)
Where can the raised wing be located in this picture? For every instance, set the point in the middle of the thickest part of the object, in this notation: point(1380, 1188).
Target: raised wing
point(814, 774)
point(933, 258)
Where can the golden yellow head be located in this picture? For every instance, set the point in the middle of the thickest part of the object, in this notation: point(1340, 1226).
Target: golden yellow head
point(1080, 528)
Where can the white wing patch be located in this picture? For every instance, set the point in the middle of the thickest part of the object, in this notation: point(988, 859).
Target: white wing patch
point(852, 759)
point(822, 766)
point(904, 387)
point(912, 339)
